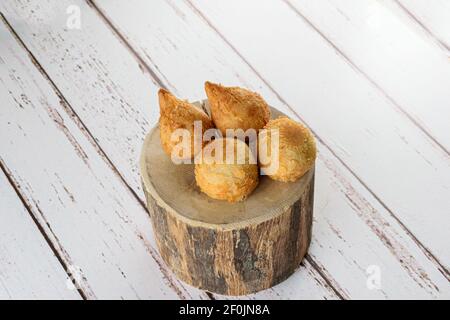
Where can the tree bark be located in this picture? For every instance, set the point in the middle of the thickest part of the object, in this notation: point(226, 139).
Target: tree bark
point(232, 249)
point(237, 261)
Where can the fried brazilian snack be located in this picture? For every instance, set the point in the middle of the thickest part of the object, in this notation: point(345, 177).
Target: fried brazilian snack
point(178, 114)
point(236, 108)
point(296, 153)
point(231, 180)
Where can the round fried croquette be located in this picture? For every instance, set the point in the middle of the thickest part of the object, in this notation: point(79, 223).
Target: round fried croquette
point(233, 179)
point(296, 152)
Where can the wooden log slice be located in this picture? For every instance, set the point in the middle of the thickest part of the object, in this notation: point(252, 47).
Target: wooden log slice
point(227, 248)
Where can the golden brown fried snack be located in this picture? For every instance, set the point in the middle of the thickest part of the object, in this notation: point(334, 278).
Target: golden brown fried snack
point(232, 181)
point(179, 114)
point(297, 149)
point(236, 108)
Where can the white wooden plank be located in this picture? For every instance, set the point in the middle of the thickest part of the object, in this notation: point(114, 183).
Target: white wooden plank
point(432, 16)
point(107, 86)
point(28, 267)
point(384, 149)
point(97, 225)
point(412, 72)
point(352, 230)
point(114, 97)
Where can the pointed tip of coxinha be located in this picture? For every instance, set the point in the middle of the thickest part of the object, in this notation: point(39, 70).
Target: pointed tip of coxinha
point(220, 91)
point(166, 100)
point(210, 85)
point(214, 88)
point(166, 95)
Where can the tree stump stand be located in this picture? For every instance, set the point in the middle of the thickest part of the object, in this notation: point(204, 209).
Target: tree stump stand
point(226, 248)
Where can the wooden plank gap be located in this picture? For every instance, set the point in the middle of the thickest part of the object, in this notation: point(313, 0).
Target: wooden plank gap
point(441, 43)
point(327, 278)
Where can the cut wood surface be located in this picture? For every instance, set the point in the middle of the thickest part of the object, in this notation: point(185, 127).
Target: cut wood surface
point(28, 268)
point(370, 209)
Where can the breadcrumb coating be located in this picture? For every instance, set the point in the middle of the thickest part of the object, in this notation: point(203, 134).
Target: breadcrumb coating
point(236, 108)
point(178, 114)
point(226, 181)
point(297, 149)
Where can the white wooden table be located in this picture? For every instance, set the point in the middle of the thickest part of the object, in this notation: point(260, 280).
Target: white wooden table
point(78, 83)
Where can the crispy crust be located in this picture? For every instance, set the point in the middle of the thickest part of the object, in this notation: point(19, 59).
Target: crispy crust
point(297, 148)
point(175, 114)
point(236, 108)
point(232, 182)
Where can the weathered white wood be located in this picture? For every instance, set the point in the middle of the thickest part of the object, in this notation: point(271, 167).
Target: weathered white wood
point(90, 216)
point(404, 66)
point(28, 268)
point(186, 53)
point(382, 147)
point(432, 16)
point(190, 76)
point(114, 97)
